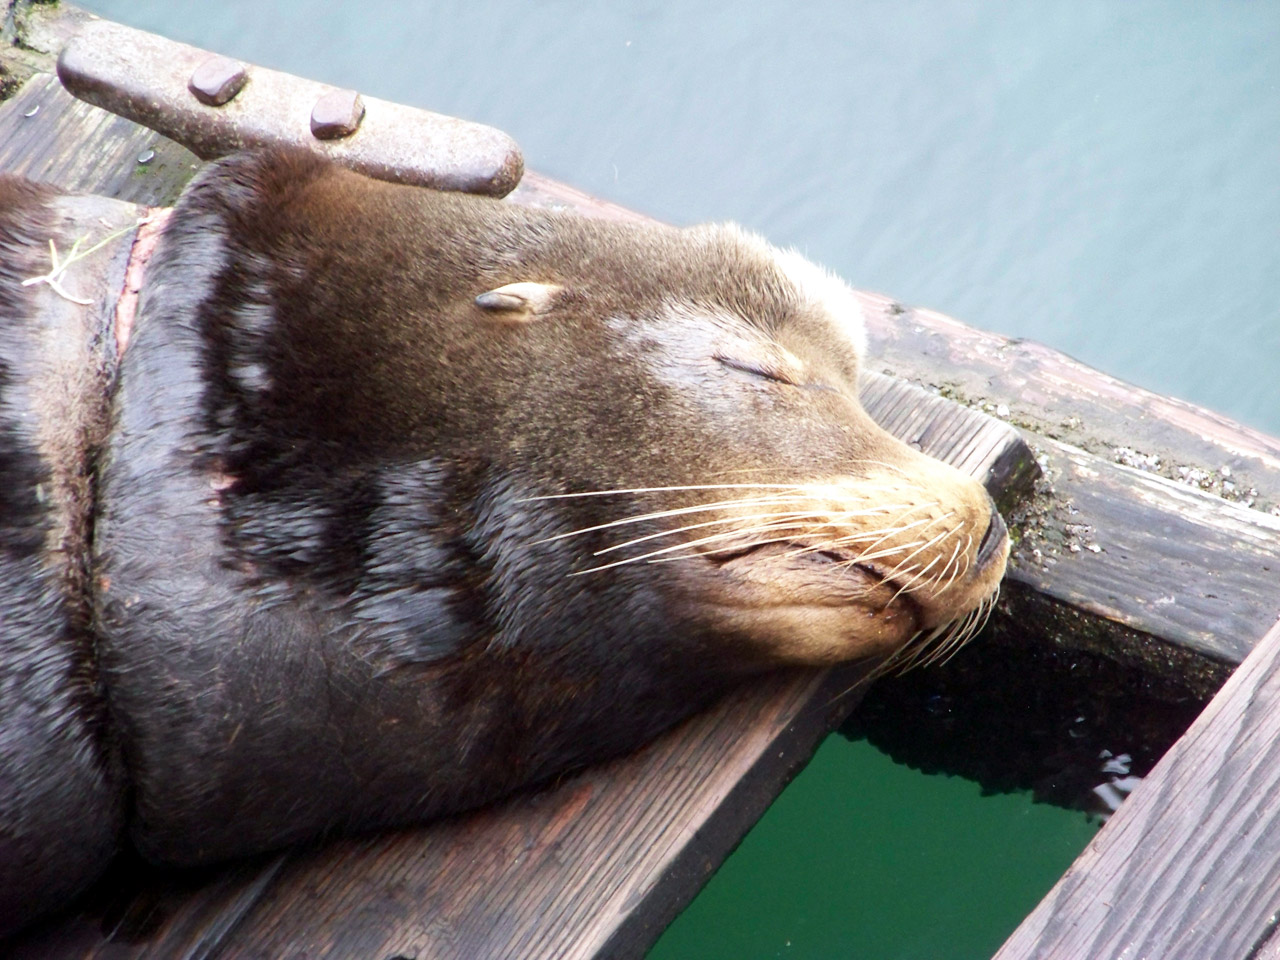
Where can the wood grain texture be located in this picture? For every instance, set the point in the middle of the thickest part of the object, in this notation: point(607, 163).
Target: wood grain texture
point(1060, 398)
point(973, 442)
point(1151, 555)
point(76, 147)
point(1189, 868)
point(140, 912)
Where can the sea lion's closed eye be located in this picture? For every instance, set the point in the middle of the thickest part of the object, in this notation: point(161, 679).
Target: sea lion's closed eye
point(783, 368)
point(763, 369)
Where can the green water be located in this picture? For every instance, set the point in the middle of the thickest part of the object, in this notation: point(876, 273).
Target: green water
point(1102, 177)
point(861, 857)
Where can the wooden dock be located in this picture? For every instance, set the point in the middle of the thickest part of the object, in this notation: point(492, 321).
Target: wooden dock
point(1189, 868)
point(1135, 544)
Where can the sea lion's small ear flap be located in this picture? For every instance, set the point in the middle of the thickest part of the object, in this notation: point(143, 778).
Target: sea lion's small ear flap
point(519, 301)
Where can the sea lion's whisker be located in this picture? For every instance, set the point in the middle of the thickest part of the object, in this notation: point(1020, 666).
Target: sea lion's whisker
point(937, 577)
point(939, 538)
point(815, 518)
point(770, 500)
point(697, 486)
point(911, 556)
point(959, 556)
point(819, 547)
point(950, 642)
point(825, 519)
point(992, 601)
point(896, 530)
point(939, 519)
point(913, 584)
point(879, 534)
point(735, 541)
point(869, 554)
point(736, 531)
point(941, 643)
point(725, 549)
point(909, 656)
point(968, 561)
point(938, 641)
point(673, 512)
point(839, 516)
point(958, 640)
point(791, 515)
point(687, 545)
point(875, 536)
point(837, 542)
point(951, 560)
point(990, 604)
point(977, 622)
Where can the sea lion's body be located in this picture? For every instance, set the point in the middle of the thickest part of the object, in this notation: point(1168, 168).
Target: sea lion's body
point(391, 480)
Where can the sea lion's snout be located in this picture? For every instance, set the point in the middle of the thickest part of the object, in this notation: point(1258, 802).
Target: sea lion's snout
point(856, 566)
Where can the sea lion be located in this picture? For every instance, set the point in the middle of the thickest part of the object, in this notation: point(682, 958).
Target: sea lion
point(62, 788)
point(410, 499)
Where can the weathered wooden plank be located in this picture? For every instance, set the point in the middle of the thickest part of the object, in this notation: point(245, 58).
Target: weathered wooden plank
point(125, 915)
point(602, 860)
point(69, 144)
point(1190, 866)
point(978, 445)
point(1151, 555)
point(1055, 396)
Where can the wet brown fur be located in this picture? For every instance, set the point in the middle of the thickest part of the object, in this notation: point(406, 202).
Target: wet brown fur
point(62, 804)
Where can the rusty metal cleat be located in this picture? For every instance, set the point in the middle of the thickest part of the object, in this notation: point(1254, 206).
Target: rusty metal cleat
point(217, 80)
point(214, 105)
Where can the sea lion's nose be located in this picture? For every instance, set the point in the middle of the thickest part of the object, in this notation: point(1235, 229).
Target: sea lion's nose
point(993, 540)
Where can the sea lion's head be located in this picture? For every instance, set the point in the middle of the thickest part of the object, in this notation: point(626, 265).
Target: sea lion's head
point(692, 398)
point(632, 409)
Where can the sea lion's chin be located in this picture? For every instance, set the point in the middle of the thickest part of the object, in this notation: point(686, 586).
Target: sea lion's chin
point(795, 606)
